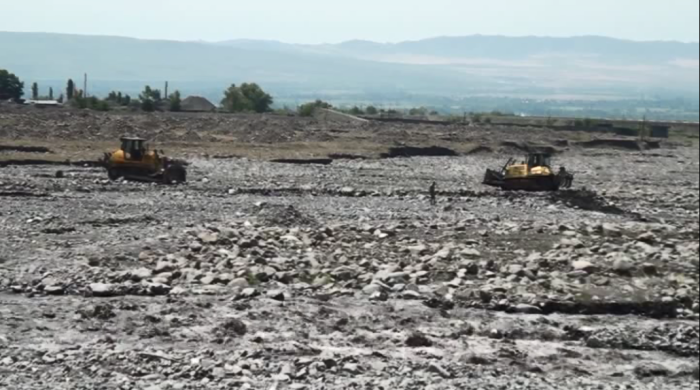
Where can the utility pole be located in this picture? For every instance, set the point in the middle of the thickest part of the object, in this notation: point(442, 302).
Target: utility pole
point(166, 91)
point(85, 91)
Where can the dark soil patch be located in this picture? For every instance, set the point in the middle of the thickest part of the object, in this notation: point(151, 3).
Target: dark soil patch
point(410, 151)
point(25, 149)
point(479, 150)
point(618, 144)
point(22, 194)
point(586, 200)
point(91, 164)
point(647, 309)
point(315, 161)
point(524, 147)
point(341, 156)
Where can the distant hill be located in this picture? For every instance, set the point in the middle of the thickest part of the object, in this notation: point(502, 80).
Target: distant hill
point(521, 48)
point(582, 67)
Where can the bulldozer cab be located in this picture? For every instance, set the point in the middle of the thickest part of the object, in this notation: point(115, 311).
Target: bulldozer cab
point(134, 148)
point(539, 160)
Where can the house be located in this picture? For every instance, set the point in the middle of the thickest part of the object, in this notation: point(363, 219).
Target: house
point(43, 103)
point(660, 131)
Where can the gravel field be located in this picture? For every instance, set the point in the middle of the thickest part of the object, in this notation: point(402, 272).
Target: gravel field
point(257, 275)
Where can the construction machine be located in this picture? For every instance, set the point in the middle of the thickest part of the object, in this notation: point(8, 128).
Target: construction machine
point(136, 161)
point(533, 174)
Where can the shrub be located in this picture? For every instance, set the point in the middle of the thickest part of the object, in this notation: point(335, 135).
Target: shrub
point(308, 109)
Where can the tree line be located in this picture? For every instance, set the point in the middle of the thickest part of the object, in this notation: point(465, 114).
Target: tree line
point(246, 97)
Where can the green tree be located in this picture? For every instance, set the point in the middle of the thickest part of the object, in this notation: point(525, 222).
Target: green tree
point(100, 105)
point(51, 93)
point(148, 105)
point(152, 94)
point(10, 86)
point(70, 90)
point(35, 91)
point(149, 99)
point(372, 110)
point(60, 98)
point(356, 111)
point(418, 111)
point(235, 101)
point(175, 102)
point(259, 100)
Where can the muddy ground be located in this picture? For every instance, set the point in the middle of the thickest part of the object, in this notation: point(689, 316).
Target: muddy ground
point(257, 275)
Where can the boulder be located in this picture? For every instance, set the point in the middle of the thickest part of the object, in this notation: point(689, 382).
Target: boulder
point(623, 266)
point(585, 266)
point(103, 290)
point(650, 370)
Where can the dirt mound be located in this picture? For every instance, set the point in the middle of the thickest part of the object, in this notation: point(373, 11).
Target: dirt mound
point(524, 147)
point(25, 149)
point(314, 161)
point(197, 104)
point(285, 216)
point(480, 150)
point(410, 151)
point(344, 156)
point(620, 144)
point(586, 200)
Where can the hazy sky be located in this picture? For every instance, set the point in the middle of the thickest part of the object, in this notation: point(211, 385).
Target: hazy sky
point(317, 21)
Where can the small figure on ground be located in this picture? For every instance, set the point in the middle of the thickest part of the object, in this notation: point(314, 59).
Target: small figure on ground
point(566, 178)
point(433, 193)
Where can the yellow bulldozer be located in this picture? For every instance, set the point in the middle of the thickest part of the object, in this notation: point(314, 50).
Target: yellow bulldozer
point(534, 174)
point(136, 161)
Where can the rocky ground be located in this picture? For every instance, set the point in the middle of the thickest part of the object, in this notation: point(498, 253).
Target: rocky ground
point(273, 276)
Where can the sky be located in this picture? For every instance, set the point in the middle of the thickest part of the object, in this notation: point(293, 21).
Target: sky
point(329, 21)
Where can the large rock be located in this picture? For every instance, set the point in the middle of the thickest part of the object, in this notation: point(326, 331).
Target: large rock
point(623, 266)
point(516, 269)
point(649, 370)
point(650, 269)
point(572, 243)
point(140, 274)
point(54, 290)
point(471, 268)
point(103, 290)
point(436, 368)
point(418, 250)
point(241, 283)
point(418, 340)
point(610, 230)
point(158, 289)
point(444, 254)
point(208, 238)
point(585, 266)
point(372, 289)
point(649, 238)
point(164, 266)
point(470, 252)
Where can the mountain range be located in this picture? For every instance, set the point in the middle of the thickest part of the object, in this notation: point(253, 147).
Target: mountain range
point(547, 68)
